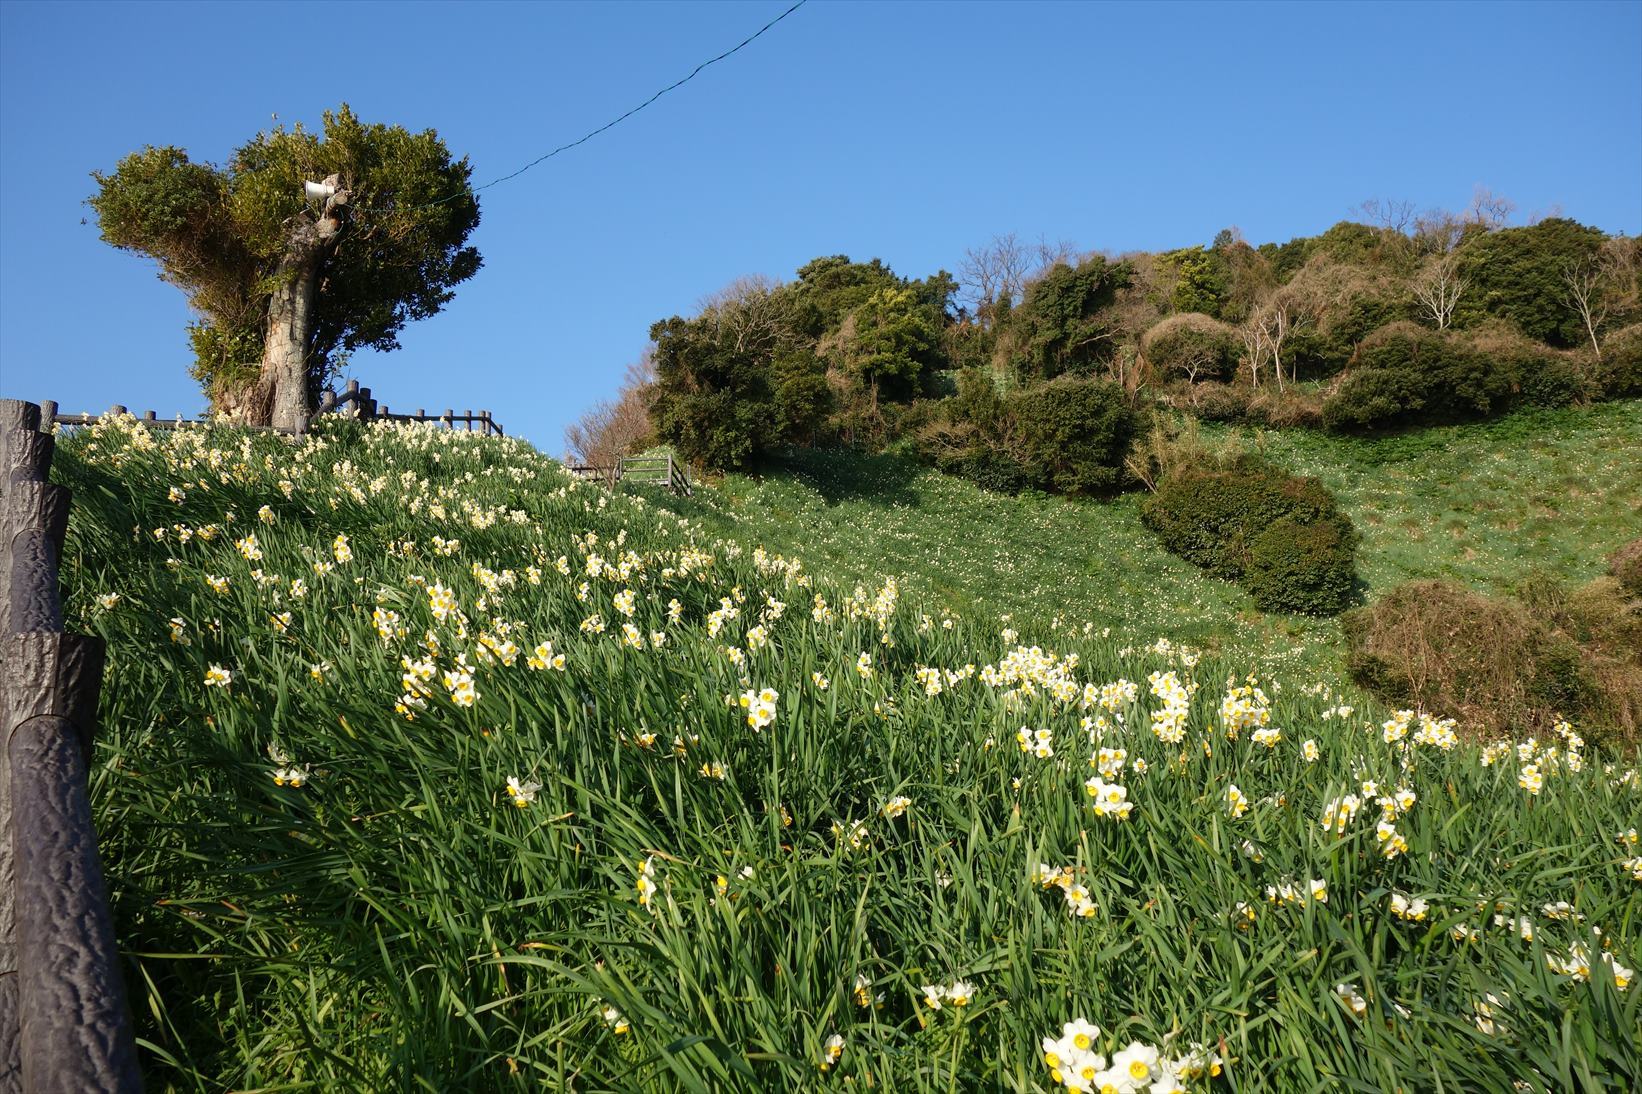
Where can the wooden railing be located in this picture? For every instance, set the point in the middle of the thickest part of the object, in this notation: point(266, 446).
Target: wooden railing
point(655, 470)
point(64, 1025)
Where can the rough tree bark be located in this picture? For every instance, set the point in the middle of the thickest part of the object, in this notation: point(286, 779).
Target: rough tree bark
point(281, 397)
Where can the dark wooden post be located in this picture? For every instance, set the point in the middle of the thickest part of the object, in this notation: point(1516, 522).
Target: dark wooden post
point(63, 1019)
point(117, 409)
point(48, 414)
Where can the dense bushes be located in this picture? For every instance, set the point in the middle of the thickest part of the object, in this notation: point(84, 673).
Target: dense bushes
point(1619, 373)
point(1504, 664)
point(1406, 374)
point(1074, 434)
point(1282, 536)
point(1067, 436)
point(1191, 347)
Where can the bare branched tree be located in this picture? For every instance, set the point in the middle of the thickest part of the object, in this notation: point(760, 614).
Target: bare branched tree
point(617, 427)
point(1052, 253)
point(748, 311)
point(1438, 288)
point(1438, 231)
point(1255, 351)
point(1397, 216)
point(994, 270)
point(1489, 209)
point(1602, 285)
point(1274, 322)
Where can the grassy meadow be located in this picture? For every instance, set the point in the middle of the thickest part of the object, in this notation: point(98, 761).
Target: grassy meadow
point(1486, 504)
point(425, 767)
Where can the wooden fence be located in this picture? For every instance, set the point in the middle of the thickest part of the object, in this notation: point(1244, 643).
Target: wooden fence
point(354, 401)
point(64, 1025)
point(656, 470)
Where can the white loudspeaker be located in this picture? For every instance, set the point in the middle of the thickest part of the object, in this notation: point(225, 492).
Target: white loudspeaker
point(318, 191)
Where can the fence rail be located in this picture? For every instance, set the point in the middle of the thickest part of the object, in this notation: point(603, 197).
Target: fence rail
point(656, 470)
point(355, 401)
point(64, 1025)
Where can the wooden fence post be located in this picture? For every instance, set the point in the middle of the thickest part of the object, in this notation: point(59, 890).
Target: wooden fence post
point(64, 1025)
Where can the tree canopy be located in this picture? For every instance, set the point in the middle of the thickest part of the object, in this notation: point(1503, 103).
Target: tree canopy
point(284, 286)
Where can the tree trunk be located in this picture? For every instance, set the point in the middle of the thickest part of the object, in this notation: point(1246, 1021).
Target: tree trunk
point(281, 398)
point(284, 375)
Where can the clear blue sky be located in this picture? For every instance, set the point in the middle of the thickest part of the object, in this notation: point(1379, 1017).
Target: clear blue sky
point(905, 131)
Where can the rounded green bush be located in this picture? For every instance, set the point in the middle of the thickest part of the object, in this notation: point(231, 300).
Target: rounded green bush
point(1075, 434)
point(1308, 569)
point(1284, 537)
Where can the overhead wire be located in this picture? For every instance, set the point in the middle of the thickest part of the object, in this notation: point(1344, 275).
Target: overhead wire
point(584, 138)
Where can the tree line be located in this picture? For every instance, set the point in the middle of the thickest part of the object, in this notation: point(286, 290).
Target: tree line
point(1035, 365)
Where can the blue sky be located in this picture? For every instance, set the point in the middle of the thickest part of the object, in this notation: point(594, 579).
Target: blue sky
point(904, 131)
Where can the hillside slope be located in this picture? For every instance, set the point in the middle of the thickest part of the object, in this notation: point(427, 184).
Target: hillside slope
point(423, 766)
point(1485, 504)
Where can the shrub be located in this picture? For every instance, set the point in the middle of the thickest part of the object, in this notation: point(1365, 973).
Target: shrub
point(1221, 402)
point(988, 469)
point(1405, 373)
point(1191, 347)
point(1543, 376)
point(1283, 536)
point(1625, 565)
point(1619, 372)
point(1074, 434)
point(1305, 568)
point(1503, 664)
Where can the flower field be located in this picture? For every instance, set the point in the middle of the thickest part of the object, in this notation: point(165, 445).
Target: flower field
point(424, 766)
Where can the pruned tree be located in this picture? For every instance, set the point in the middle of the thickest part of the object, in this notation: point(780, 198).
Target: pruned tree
point(286, 284)
point(1438, 288)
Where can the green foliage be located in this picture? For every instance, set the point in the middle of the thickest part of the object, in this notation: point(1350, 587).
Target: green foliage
point(220, 234)
point(1406, 373)
point(1192, 347)
point(1284, 537)
point(712, 400)
point(1063, 325)
point(399, 923)
point(1516, 274)
point(890, 341)
point(1619, 372)
point(1199, 280)
point(1307, 568)
point(1075, 434)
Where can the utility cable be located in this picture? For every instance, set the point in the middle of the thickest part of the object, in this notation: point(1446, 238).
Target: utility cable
point(607, 125)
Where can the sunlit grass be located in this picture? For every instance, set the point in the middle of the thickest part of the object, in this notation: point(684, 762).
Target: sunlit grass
point(400, 921)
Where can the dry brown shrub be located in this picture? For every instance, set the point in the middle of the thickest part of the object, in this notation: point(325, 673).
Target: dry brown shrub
point(1505, 665)
point(1284, 409)
point(1625, 565)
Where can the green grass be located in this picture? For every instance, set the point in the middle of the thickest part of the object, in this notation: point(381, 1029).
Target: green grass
point(397, 923)
point(1484, 504)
